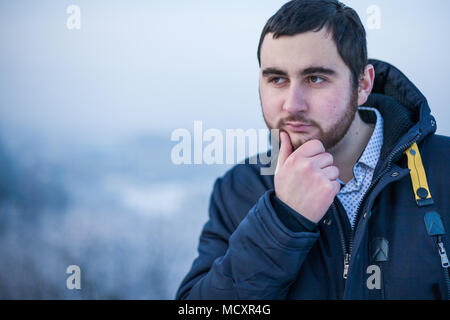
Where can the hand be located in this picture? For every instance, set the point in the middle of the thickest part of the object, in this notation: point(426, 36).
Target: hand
point(306, 179)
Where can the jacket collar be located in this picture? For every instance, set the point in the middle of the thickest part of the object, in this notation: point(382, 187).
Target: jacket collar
point(404, 109)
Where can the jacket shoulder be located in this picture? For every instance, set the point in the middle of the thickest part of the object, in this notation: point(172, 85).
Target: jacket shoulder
point(239, 189)
point(436, 146)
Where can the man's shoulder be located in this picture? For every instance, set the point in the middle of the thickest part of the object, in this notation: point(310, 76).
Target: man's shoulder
point(240, 188)
point(436, 145)
point(435, 154)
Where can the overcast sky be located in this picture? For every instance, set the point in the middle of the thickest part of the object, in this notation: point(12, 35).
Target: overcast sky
point(138, 67)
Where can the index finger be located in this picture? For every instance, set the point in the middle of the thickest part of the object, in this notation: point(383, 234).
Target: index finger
point(309, 149)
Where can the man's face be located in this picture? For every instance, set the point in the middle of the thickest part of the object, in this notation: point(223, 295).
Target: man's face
point(306, 88)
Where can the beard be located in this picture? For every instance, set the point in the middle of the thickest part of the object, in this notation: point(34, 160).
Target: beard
point(330, 137)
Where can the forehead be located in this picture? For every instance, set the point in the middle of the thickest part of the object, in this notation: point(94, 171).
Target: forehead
point(293, 53)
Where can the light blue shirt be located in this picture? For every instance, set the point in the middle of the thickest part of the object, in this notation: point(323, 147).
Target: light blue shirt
point(352, 193)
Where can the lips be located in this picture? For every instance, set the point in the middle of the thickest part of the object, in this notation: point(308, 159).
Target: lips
point(297, 126)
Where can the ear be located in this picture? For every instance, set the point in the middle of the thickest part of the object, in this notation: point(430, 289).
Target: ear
point(366, 84)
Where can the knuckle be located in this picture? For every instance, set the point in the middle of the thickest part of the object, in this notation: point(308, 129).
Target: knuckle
point(330, 157)
point(307, 165)
point(336, 170)
point(314, 144)
point(317, 144)
point(290, 162)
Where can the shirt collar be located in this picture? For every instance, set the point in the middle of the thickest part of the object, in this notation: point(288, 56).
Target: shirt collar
point(369, 158)
point(371, 153)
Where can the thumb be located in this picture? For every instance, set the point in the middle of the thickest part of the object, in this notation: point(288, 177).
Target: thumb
point(285, 148)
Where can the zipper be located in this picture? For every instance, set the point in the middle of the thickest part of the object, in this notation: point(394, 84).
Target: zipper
point(344, 242)
point(346, 265)
point(445, 263)
point(347, 242)
point(444, 259)
point(378, 177)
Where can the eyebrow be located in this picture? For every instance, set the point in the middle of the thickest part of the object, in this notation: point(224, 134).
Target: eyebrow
point(310, 70)
point(273, 71)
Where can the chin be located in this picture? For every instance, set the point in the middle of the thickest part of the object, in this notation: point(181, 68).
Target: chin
point(297, 139)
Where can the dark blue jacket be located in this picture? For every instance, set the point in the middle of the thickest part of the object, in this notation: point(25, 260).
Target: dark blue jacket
point(255, 247)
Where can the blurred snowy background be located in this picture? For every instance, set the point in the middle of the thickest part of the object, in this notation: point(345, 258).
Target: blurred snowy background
point(86, 116)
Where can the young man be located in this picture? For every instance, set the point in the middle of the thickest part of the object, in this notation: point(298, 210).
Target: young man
point(359, 202)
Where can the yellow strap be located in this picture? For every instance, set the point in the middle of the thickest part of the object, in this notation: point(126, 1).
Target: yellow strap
point(418, 177)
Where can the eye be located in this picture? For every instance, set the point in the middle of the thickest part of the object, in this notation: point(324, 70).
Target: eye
point(316, 79)
point(277, 81)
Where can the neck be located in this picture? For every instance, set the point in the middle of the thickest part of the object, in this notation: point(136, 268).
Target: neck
point(348, 150)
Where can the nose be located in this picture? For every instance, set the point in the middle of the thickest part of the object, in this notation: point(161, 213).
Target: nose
point(296, 99)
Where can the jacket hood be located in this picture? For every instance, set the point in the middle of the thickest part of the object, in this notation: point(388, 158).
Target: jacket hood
point(404, 108)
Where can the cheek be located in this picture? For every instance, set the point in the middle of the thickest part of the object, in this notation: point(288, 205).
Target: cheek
point(271, 105)
point(330, 105)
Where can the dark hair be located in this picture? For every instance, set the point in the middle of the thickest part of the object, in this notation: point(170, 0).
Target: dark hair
point(342, 22)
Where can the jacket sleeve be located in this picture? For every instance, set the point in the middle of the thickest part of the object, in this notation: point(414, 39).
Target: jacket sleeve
point(259, 259)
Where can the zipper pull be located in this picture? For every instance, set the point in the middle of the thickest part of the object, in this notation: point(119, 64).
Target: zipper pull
point(346, 265)
point(443, 254)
